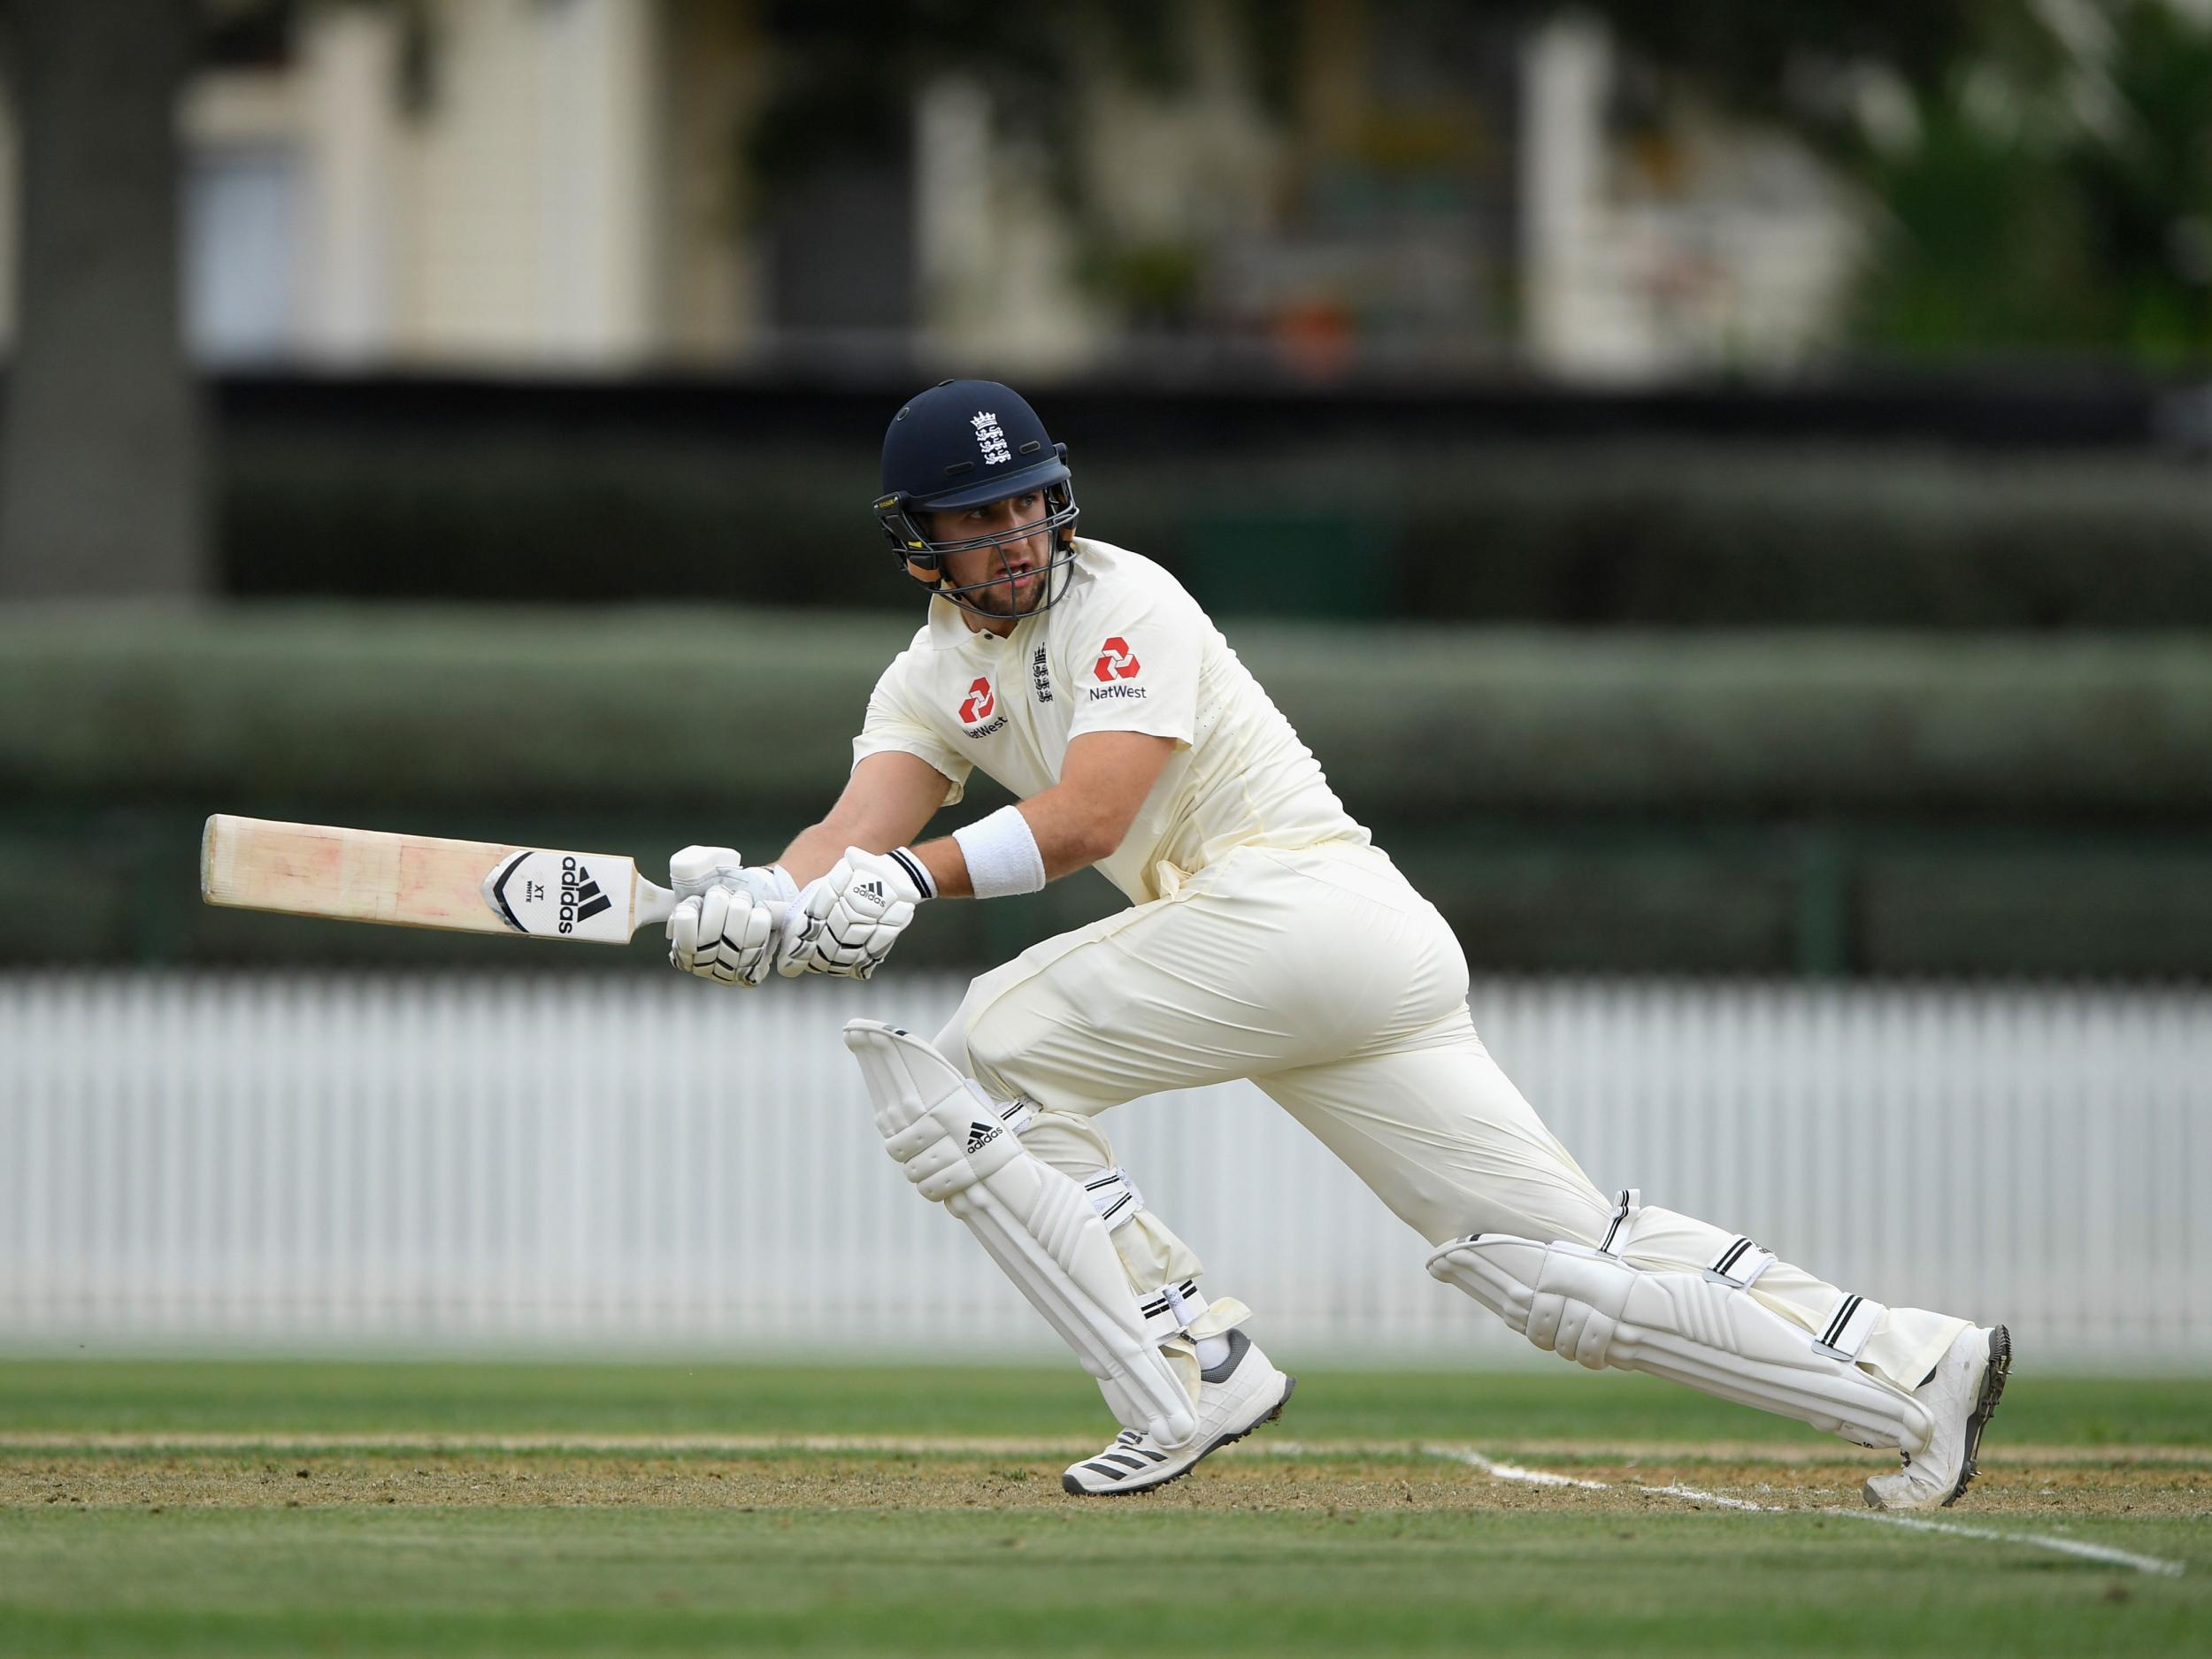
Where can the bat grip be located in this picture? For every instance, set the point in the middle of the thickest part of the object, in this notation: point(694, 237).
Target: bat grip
point(653, 904)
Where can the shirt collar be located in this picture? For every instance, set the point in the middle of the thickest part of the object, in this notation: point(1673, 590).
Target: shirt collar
point(947, 630)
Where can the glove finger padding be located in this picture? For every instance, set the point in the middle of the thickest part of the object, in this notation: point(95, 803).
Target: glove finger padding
point(722, 935)
point(855, 942)
point(682, 931)
point(715, 958)
point(747, 932)
point(802, 927)
point(749, 939)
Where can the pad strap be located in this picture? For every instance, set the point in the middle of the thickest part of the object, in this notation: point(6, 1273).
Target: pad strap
point(1849, 1328)
point(1172, 1310)
point(1740, 1265)
point(1115, 1196)
point(1626, 1202)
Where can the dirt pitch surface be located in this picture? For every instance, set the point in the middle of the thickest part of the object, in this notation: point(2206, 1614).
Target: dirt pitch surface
point(245, 1472)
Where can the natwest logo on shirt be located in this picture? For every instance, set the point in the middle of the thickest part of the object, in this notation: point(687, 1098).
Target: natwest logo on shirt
point(1116, 661)
point(980, 704)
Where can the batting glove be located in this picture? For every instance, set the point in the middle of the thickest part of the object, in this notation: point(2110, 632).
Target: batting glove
point(847, 922)
point(728, 917)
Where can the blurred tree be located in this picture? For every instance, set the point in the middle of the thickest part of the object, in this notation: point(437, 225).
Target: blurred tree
point(1793, 61)
point(2043, 167)
point(2061, 203)
point(101, 464)
point(2147, 188)
point(1982, 245)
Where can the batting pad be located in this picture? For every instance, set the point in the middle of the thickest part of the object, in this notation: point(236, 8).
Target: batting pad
point(1038, 1224)
point(1706, 1333)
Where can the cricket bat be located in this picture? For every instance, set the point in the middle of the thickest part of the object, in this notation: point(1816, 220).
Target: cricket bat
point(421, 881)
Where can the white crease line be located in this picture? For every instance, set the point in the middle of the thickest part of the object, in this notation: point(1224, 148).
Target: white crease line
point(1513, 1471)
point(2064, 1546)
point(1696, 1496)
point(1956, 1529)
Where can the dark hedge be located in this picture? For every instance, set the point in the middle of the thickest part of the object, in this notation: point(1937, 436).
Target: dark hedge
point(1642, 533)
point(1712, 802)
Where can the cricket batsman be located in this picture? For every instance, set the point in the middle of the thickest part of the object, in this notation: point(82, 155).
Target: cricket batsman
point(1266, 938)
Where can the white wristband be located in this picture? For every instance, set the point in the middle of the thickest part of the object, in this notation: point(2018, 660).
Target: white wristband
point(1002, 854)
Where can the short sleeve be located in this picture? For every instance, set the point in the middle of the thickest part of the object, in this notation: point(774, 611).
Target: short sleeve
point(892, 725)
point(1137, 656)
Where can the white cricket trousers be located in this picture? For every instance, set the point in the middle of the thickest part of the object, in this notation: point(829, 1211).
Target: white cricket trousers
point(1322, 976)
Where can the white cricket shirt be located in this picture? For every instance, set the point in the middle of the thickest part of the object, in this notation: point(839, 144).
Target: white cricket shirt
point(1125, 648)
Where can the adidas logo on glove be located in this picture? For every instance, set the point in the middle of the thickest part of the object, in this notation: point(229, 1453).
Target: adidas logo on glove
point(980, 1135)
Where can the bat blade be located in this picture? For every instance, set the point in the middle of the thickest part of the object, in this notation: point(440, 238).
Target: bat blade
point(358, 875)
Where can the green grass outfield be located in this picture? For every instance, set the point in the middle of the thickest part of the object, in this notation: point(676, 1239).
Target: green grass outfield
point(160, 1506)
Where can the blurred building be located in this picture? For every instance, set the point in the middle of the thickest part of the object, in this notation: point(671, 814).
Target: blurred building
point(1659, 240)
point(580, 185)
point(493, 182)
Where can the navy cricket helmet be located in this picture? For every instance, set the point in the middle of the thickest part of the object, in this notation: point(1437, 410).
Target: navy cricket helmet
point(968, 443)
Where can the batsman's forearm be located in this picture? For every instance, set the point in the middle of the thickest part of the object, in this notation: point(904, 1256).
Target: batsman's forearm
point(886, 801)
point(1074, 827)
point(947, 867)
point(814, 850)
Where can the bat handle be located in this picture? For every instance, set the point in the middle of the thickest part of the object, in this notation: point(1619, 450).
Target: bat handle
point(652, 904)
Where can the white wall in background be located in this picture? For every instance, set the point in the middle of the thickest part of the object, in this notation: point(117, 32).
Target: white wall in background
point(638, 1163)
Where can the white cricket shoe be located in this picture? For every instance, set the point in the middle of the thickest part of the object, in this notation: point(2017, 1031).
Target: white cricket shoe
point(1961, 1396)
point(1235, 1398)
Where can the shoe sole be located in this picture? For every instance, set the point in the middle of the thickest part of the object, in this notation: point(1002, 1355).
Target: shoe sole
point(1984, 1406)
point(1069, 1484)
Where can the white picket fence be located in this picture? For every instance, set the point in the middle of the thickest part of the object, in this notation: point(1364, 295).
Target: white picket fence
point(630, 1164)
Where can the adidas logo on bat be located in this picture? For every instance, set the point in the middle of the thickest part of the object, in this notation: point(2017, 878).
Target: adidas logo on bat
point(982, 1135)
point(581, 898)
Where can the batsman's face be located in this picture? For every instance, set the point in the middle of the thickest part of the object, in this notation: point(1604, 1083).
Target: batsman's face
point(1014, 572)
